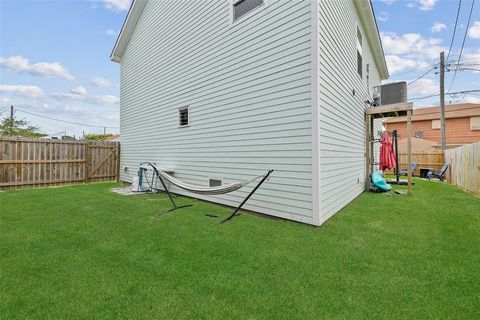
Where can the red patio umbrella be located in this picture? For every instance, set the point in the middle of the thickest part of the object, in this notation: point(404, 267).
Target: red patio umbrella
point(387, 156)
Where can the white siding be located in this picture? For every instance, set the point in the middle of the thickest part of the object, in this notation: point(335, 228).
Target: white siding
point(248, 89)
point(342, 123)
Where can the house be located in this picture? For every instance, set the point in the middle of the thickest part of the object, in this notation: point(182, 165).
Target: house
point(112, 138)
point(462, 126)
point(226, 90)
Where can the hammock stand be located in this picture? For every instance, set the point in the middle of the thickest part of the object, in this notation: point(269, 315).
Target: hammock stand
point(202, 190)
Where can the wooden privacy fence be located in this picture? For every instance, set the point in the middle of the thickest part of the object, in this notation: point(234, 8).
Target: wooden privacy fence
point(42, 162)
point(422, 160)
point(464, 168)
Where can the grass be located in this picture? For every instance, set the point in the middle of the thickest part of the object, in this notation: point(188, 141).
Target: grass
point(84, 252)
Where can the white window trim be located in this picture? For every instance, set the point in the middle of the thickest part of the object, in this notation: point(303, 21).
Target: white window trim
point(178, 116)
point(245, 16)
point(214, 178)
point(472, 121)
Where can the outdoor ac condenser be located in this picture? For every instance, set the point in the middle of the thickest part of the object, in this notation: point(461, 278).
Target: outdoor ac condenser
point(389, 93)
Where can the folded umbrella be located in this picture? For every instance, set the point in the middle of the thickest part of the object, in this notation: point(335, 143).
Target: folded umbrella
point(387, 156)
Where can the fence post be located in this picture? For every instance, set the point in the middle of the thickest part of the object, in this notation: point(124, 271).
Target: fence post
point(118, 162)
point(87, 161)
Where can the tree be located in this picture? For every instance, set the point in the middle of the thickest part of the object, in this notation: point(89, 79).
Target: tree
point(97, 137)
point(14, 127)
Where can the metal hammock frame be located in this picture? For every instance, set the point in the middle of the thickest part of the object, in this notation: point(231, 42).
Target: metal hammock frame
point(206, 190)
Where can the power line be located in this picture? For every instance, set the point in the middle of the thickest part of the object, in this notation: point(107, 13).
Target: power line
point(450, 93)
point(423, 75)
point(454, 29)
point(66, 121)
point(463, 45)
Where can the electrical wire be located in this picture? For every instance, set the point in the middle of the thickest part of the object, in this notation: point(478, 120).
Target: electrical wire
point(454, 29)
point(423, 75)
point(463, 45)
point(450, 93)
point(66, 121)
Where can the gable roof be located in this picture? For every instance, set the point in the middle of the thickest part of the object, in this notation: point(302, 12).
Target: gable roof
point(369, 23)
point(364, 8)
point(128, 26)
point(462, 110)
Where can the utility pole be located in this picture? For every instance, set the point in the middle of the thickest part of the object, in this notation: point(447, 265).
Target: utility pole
point(11, 113)
point(442, 99)
point(104, 130)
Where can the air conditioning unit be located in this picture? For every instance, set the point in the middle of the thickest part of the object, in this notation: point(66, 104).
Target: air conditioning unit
point(390, 93)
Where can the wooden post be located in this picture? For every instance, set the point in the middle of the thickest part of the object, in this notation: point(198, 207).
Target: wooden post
point(367, 152)
point(87, 161)
point(409, 150)
point(118, 162)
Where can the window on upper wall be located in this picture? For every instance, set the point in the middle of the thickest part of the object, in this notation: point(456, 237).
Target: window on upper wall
point(243, 7)
point(183, 117)
point(359, 52)
point(474, 123)
point(435, 124)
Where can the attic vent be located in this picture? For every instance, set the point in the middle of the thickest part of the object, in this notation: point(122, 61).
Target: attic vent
point(183, 116)
point(242, 7)
point(214, 182)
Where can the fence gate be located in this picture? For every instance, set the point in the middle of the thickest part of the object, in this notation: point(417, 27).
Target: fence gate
point(42, 162)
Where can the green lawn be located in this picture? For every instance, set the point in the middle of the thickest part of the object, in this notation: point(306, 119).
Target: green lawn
point(84, 252)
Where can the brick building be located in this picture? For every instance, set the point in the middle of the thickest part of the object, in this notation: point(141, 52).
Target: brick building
point(462, 124)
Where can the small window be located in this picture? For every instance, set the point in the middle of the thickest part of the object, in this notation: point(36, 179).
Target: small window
point(435, 124)
point(242, 7)
point(359, 52)
point(474, 123)
point(214, 182)
point(359, 64)
point(359, 37)
point(183, 116)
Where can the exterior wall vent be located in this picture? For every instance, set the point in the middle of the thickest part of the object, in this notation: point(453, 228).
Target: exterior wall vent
point(390, 93)
point(214, 182)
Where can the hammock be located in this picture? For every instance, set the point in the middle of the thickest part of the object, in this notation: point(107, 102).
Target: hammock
point(206, 190)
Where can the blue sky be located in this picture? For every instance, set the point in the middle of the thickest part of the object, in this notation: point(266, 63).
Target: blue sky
point(54, 56)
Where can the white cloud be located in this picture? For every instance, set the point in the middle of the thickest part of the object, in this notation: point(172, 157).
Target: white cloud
point(21, 90)
point(438, 26)
point(471, 99)
point(79, 90)
point(44, 69)
point(383, 16)
point(397, 64)
point(423, 87)
point(110, 32)
point(100, 82)
point(474, 31)
point(426, 5)
point(411, 5)
point(412, 45)
point(105, 99)
point(117, 5)
point(389, 2)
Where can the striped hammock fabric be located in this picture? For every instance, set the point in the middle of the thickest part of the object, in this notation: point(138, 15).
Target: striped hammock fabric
point(201, 189)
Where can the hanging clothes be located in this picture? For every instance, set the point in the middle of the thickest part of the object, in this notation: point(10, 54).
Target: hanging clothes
point(387, 156)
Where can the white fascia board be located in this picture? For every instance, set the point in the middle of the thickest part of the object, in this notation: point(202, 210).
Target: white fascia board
point(367, 18)
point(127, 29)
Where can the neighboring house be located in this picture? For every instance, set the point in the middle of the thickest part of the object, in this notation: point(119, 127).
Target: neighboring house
point(112, 138)
point(229, 89)
point(462, 126)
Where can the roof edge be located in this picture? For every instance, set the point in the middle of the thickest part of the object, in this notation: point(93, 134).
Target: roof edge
point(367, 16)
point(128, 26)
